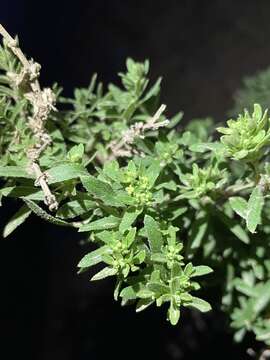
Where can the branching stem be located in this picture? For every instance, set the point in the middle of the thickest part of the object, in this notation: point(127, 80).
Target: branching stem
point(42, 102)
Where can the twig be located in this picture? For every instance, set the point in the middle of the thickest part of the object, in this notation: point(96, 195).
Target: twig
point(13, 45)
point(123, 148)
point(42, 102)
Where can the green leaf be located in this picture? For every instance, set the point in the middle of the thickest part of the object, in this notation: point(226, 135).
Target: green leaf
point(129, 238)
point(16, 220)
point(111, 169)
point(153, 172)
point(27, 192)
point(94, 257)
point(65, 172)
point(5, 192)
point(143, 304)
point(153, 233)
point(43, 214)
point(159, 258)
point(117, 288)
point(201, 270)
point(75, 154)
point(139, 257)
point(233, 226)
point(264, 335)
point(128, 219)
point(106, 272)
point(174, 121)
point(153, 91)
point(128, 293)
point(173, 314)
point(199, 304)
point(101, 190)
point(239, 205)
point(158, 288)
point(145, 293)
point(105, 223)
point(76, 207)
point(263, 299)
point(197, 232)
point(254, 209)
point(239, 335)
point(245, 288)
point(15, 171)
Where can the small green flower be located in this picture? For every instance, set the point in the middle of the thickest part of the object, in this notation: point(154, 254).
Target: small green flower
point(138, 186)
point(202, 181)
point(167, 151)
point(245, 138)
point(124, 255)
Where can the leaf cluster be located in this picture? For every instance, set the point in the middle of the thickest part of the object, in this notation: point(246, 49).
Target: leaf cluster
point(178, 203)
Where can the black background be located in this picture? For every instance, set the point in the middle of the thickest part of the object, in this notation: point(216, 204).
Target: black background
point(202, 49)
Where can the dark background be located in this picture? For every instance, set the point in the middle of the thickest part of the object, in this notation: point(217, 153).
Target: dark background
point(202, 49)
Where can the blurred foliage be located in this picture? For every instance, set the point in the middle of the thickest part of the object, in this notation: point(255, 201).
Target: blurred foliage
point(254, 89)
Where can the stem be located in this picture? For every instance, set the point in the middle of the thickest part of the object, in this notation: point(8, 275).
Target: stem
point(12, 44)
point(42, 102)
point(255, 168)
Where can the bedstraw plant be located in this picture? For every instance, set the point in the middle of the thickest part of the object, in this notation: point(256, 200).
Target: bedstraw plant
point(173, 211)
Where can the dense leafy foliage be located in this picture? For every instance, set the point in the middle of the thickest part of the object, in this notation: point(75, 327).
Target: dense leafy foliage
point(164, 204)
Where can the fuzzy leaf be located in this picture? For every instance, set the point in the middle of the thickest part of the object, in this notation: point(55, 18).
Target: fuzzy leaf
point(101, 190)
point(201, 270)
point(254, 209)
point(106, 272)
point(76, 207)
point(65, 172)
point(153, 233)
point(128, 293)
point(108, 222)
point(197, 232)
point(143, 304)
point(173, 315)
point(75, 154)
point(43, 214)
point(200, 304)
point(94, 257)
point(16, 220)
point(233, 226)
point(153, 172)
point(128, 219)
point(15, 171)
point(239, 205)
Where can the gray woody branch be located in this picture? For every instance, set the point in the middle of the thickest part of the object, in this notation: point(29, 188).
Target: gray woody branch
point(42, 101)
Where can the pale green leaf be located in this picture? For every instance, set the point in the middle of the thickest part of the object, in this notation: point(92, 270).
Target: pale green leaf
point(16, 220)
point(76, 207)
point(239, 205)
point(105, 223)
point(43, 214)
point(65, 172)
point(201, 270)
point(104, 273)
point(153, 233)
point(173, 314)
point(94, 257)
point(199, 304)
point(128, 218)
point(15, 171)
point(101, 190)
point(254, 209)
